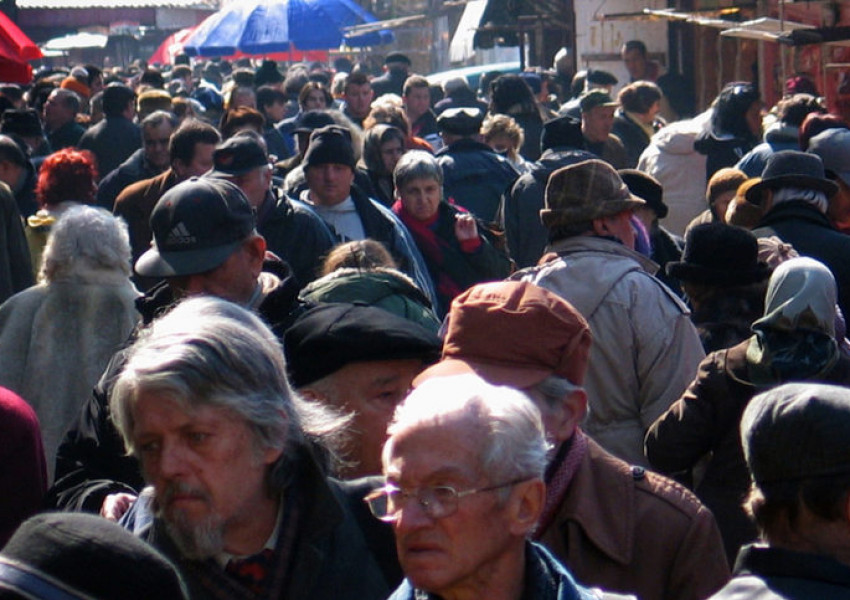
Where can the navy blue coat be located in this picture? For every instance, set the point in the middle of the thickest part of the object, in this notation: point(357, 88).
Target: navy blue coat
point(475, 177)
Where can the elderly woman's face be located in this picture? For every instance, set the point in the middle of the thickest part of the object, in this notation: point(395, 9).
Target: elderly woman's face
point(421, 197)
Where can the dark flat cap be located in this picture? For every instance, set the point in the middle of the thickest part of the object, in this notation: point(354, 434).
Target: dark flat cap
point(397, 57)
point(562, 132)
point(326, 338)
point(595, 98)
point(461, 121)
point(797, 431)
point(237, 156)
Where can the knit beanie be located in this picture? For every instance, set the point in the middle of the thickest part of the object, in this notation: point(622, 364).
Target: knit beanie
point(330, 145)
point(75, 85)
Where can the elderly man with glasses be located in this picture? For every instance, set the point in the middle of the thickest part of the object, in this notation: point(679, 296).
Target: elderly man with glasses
point(615, 526)
point(464, 467)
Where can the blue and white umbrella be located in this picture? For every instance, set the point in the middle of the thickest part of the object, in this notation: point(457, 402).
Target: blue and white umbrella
point(267, 26)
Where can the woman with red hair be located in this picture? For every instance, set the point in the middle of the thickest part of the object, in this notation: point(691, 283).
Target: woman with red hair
point(66, 178)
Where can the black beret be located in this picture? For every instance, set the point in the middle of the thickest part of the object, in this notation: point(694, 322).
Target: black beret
point(326, 338)
point(91, 556)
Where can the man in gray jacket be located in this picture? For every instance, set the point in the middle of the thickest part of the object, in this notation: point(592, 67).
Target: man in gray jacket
point(646, 349)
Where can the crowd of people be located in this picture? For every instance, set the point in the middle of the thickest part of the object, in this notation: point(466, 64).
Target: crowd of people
point(313, 333)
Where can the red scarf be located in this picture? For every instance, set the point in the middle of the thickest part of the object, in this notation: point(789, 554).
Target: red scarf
point(432, 247)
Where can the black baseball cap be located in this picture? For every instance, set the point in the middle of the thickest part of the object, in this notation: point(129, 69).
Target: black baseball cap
point(237, 156)
point(196, 226)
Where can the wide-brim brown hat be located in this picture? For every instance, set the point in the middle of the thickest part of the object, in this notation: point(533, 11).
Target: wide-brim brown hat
point(790, 168)
point(588, 190)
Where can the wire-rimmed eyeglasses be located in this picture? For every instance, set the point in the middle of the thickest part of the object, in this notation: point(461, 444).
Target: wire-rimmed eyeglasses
point(437, 502)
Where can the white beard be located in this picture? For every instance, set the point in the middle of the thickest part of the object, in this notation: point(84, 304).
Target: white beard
point(196, 540)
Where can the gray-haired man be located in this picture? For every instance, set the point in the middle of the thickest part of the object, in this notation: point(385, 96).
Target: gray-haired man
point(242, 506)
point(464, 466)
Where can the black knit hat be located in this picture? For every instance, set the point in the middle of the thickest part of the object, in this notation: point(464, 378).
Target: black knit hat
point(646, 187)
point(85, 557)
point(330, 145)
point(326, 338)
point(719, 254)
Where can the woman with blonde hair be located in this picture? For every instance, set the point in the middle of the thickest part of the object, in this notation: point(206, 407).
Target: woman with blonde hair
point(504, 135)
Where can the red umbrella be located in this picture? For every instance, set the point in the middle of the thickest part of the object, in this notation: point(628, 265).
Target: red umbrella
point(171, 47)
point(15, 50)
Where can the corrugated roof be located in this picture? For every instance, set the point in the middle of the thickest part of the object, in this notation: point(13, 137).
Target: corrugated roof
point(89, 4)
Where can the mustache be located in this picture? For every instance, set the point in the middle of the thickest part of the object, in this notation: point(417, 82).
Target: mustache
point(179, 488)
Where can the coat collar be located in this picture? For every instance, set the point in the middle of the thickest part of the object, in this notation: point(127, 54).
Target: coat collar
point(596, 244)
point(608, 525)
point(795, 211)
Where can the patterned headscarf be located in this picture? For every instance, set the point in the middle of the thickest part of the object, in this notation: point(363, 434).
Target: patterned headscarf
point(795, 339)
